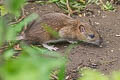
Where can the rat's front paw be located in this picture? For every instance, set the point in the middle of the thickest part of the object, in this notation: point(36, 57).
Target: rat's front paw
point(51, 48)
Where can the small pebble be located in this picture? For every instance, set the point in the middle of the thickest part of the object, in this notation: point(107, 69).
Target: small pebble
point(67, 77)
point(33, 8)
point(99, 12)
point(107, 42)
point(65, 46)
point(117, 35)
point(97, 23)
point(100, 46)
point(112, 50)
point(80, 15)
point(93, 15)
point(84, 14)
point(103, 16)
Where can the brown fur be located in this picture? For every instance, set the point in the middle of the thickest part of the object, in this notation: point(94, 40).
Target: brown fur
point(67, 28)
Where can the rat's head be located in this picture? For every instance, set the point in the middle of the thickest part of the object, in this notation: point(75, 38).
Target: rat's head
point(87, 33)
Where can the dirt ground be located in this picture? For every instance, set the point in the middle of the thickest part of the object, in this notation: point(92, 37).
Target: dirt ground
point(105, 59)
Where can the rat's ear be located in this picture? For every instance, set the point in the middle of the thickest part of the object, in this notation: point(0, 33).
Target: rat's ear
point(81, 28)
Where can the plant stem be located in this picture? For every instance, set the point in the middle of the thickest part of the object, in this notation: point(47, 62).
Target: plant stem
point(69, 9)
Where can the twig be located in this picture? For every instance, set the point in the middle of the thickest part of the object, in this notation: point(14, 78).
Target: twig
point(69, 9)
point(20, 19)
point(3, 48)
point(112, 1)
point(101, 2)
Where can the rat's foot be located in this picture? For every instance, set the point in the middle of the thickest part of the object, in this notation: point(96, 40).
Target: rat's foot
point(20, 38)
point(73, 42)
point(51, 48)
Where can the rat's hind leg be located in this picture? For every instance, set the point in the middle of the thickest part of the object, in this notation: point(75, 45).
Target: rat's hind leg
point(51, 48)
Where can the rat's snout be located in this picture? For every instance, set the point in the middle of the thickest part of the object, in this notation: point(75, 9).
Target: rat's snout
point(98, 42)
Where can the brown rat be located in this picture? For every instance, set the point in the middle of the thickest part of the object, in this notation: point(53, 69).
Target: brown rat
point(68, 29)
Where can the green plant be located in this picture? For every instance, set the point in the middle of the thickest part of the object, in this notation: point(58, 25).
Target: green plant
point(3, 10)
point(108, 6)
point(50, 30)
point(75, 5)
point(33, 64)
point(105, 6)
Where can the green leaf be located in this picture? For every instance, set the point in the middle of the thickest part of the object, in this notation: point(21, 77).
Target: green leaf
point(3, 10)
point(39, 51)
point(108, 6)
point(18, 27)
point(13, 31)
point(92, 1)
point(61, 74)
point(14, 6)
point(2, 30)
point(63, 2)
point(116, 75)
point(53, 0)
point(50, 30)
point(11, 34)
point(8, 54)
point(30, 67)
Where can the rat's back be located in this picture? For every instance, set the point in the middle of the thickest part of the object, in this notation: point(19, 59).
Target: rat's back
point(56, 20)
point(36, 32)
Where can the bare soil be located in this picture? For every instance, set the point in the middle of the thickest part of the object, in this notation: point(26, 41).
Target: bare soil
point(105, 59)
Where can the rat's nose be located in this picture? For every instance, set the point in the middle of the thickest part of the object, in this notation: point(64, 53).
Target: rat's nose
point(98, 42)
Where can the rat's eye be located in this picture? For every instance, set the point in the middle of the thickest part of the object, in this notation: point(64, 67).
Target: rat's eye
point(91, 35)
